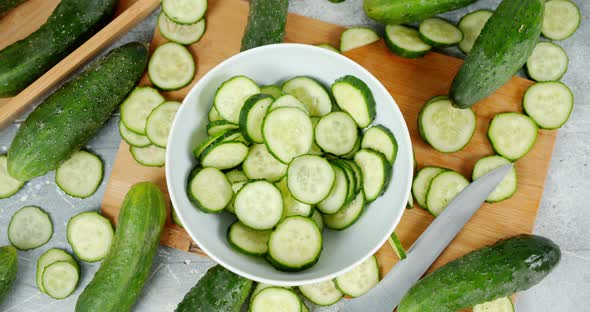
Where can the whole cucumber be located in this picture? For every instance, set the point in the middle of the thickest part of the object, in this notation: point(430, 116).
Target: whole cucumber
point(502, 48)
point(7, 5)
point(218, 290)
point(68, 118)
point(407, 11)
point(266, 23)
point(8, 268)
point(70, 24)
point(500, 270)
point(122, 274)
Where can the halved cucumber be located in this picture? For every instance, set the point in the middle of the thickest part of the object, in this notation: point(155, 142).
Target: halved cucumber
point(209, 189)
point(376, 172)
point(328, 46)
point(397, 246)
point(338, 195)
point(323, 293)
point(317, 218)
point(310, 178)
point(507, 187)
point(381, 139)
point(8, 185)
point(160, 121)
point(287, 133)
point(439, 32)
point(311, 93)
point(171, 66)
point(295, 244)
point(445, 127)
point(503, 304)
point(560, 20)
point(291, 206)
point(356, 37)
point(271, 90)
point(219, 126)
point(213, 114)
point(224, 155)
point(336, 133)
point(260, 164)
point(405, 41)
point(421, 183)
point(184, 11)
point(512, 135)
point(443, 189)
point(138, 106)
point(360, 279)
point(60, 279)
point(49, 257)
point(275, 299)
point(133, 138)
point(231, 96)
point(251, 116)
point(347, 215)
point(29, 228)
point(471, 25)
point(149, 156)
point(247, 240)
point(259, 205)
point(548, 62)
point(185, 34)
point(90, 235)
point(549, 104)
point(354, 97)
point(287, 100)
point(80, 176)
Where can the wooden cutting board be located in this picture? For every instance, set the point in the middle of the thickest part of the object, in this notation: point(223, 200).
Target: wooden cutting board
point(411, 83)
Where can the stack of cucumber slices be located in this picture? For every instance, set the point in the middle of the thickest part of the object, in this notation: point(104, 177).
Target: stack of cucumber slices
point(287, 165)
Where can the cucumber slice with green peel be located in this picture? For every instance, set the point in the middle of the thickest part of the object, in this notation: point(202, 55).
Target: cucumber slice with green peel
point(397, 246)
point(295, 244)
point(149, 156)
point(336, 133)
point(246, 240)
point(315, 149)
point(328, 46)
point(446, 128)
point(60, 279)
point(356, 37)
point(213, 114)
point(471, 25)
point(236, 175)
point(275, 299)
point(80, 176)
point(356, 148)
point(231, 96)
point(236, 187)
point(8, 185)
point(512, 135)
point(230, 134)
point(49, 257)
point(291, 206)
point(560, 20)
point(507, 187)
point(347, 215)
point(90, 235)
point(184, 11)
point(323, 293)
point(354, 97)
point(138, 106)
point(360, 279)
point(439, 32)
point(358, 175)
point(262, 286)
point(224, 155)
point(209, 190)
point(421, 183)
point(160, 121)
point(503, 304)
point(311, 93)
point(338, 195)
point(219, 126)
point(443, 189)
point(405, 41)
point(352, 179)
point(29, 228)
point(310, 179)
point(272, 90)
point(287, 100)
point(287, 133)
point(251, 116)
point(133, 138)
point(260, 164)
point(317, 218)
point(376, 172)
point(548, 62)
point(259, 205)
point(171, 67)
point(549, 104)
point(381, 139)
point(175, 218)
point(184, 34)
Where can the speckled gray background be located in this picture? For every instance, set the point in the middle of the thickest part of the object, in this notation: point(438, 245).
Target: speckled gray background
point(564, 215)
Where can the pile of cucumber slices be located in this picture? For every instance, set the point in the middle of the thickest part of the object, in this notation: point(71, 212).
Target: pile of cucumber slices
point(287, 164)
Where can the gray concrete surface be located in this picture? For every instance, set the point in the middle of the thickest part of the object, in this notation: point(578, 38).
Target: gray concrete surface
point(563, 216)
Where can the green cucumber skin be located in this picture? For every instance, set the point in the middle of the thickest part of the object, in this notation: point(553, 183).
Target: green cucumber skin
point(68, 118)
point(407, 11)
point(8, 269)
point(499, 270)
point(266, 23)
point(118, 282)
point(7, 5)
point(218, 290)
point(70, 24)
point(502, 48)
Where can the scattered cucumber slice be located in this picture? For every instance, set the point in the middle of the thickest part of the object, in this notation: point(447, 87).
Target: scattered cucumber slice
point(80, 176)
point(49, 257)
point(90, 235)
point(512, 135)
point(271, 90)
point(276, 299)
point(171, 66)
point(8, 185)
point(138, 106)
point(310, 179)
point(381, 139)
point(471, 25)
point(405, 41)
point(311, 93)
point(251, 116)
point(295, 244)
point(549, 104)
point(287, 133)
point(209, 190)
point(422, 183)
point(360, 279)
point(260, 164)
point(231, 96)
point(443, 189)
point(560, 20)
point(259, 205)
point(503, 304)
point(29, 228)
point(184, 11)
point(60, 279)
point(439, 32)
point(133, 138)
point(160, 121)
point(247, 240)
point(185, 34)
point(397, 246)
point(356, 37)
point(548, 62)
point(507, 187)
point(354, 97)
point(323, 293)
point(149, 156)
point(262, 286)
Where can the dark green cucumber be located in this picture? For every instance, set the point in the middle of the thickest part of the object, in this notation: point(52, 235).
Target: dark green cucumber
point(70, 24)
point(8, 268)
point(266, 23)
point(502, 48)
point(122, 274)
point(68, 118)
point(7, 5)
point(499, 270)
point(406, 11)
point(218, 290)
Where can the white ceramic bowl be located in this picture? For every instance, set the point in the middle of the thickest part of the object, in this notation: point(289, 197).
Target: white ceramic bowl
point(274, 64)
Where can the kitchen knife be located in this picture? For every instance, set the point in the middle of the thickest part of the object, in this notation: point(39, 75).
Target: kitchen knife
point(388, 293)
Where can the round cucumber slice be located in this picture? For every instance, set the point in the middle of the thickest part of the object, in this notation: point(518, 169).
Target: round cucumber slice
point(287, 133)
point(251, 116)
point(181, 33)
point(60, 279)
point(149, 156)
point(471, 25)
point(323, 293)
point(29, 228)
point(336, 133)
point(561, 19)
point(548, 62)
point(184, 11)
point(49, 257)
point(276, 299)
point(360, 279)
point(381, 139)
point(512, 135)
point(259, 205)
point(507, 187)
point(90, 235)
point(291, 206)
point(310, 179)
point(295, 244)
point(503, 304)
point(138, 106)
point(405, 41)
point(171, 67)
point(231, 96)
point(438, 32)
point(287, 100)
point(247, 240)
point(271, 90)
point(160, 121)
point(347, 215)
point(422, 183)
point(549, 104)
point(443, 189)
point(311, 93)
point(80, 176)
point(260, 164)
point(133, 138)
point(209, 189)
point(8, 185)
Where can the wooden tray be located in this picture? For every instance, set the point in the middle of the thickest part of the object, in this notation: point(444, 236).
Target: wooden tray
point(411, 82)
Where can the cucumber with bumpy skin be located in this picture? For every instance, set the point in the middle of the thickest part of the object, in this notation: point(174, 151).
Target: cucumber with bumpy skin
point(7, 5)
point(406, 11)
point(266, 23)
point(8, 269)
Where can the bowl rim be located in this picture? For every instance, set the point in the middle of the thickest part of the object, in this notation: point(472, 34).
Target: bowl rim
point(403, 140)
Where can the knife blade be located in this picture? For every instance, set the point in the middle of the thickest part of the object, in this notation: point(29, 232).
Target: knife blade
point(388, 293)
